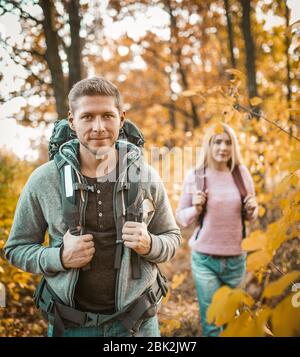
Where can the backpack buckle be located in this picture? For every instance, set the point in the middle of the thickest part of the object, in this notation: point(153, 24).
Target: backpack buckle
point(162, 283)
point(91, 319)
point(50, 306)
point(152, 296)
point(83, 186)
point(134, 214)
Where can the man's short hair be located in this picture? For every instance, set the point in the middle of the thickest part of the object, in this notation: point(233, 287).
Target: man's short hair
point(92, 87)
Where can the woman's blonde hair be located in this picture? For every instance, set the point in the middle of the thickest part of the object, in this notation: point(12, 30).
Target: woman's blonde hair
point(206, 147)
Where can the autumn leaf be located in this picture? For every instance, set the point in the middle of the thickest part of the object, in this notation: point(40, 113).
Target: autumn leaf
point(248, 324)
point(256, 241)
point(294, 110)
point(189, 93)
point(261, 211)
point(236, 73)
point(237, 325)
point(286, 318)
point(177, 280)
point(257, 260)
point(225, 303)
point(169, 325)
point(294, 180)
point(280, 285)
point(254, 101)
point(284, 185)
point(219, 129)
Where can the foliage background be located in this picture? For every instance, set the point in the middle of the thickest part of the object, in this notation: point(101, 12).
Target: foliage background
point(198, 63)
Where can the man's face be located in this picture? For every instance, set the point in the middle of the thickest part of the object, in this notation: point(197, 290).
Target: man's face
point(96, 121)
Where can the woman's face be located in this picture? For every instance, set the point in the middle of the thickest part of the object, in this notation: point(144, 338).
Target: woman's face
point(221, 148)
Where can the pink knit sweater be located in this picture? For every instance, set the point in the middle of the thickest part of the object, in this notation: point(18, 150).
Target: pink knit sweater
point(221, 233)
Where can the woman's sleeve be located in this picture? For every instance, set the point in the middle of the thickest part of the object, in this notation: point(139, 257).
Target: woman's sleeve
point(186, 213)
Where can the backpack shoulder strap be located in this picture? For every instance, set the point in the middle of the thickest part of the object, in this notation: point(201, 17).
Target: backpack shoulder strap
point(200, 179)
point(74, 192)
point(238, 179)
point(69, 197)
point(134, 212)
point(73, 201)
point(201, 185)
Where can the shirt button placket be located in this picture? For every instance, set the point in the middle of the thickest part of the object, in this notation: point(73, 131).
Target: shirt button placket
point(100, 214)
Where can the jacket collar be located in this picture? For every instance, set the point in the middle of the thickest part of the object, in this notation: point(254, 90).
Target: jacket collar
point(128, 154)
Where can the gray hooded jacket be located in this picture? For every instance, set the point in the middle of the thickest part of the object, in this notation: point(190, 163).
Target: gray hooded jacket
point(40, 210)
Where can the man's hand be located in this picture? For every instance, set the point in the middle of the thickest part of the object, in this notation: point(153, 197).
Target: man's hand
point(250, 205)
point(78, 251)
point(136, 237)
point(199, 199)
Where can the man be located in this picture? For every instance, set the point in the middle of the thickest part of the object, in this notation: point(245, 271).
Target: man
point(101, 278)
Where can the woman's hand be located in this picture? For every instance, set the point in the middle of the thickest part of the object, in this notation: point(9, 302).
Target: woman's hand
point(250, 206)
point(199, 200)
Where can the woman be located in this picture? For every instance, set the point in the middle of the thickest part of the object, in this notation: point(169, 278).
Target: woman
point(218, 195)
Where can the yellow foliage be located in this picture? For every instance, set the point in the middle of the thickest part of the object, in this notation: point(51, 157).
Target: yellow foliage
point(225, 303)
point(219, 129)
point(284, 185)
point(258, 260)
point(189, 93)
point(240, 75)
point(255, 241)
point(276, 235)
point(294, 180)
point(279, 286)
point(286, 318)
point(168, 326)
point(248, 325)
point(261, 211)
point(255, 101)
point(177, 280)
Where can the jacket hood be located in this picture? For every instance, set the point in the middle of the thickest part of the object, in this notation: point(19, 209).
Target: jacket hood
point(128, 153)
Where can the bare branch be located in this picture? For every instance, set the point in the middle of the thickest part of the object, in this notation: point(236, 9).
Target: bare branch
point(259, 115)
point(179, 110)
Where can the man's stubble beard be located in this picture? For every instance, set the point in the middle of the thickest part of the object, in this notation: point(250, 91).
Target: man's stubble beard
point(101, 152)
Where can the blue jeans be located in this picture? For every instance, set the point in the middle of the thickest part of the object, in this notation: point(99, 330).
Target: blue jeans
point(149, 328)
point(210, 274)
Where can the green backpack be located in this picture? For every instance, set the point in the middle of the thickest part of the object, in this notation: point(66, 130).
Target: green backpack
point(73, 206)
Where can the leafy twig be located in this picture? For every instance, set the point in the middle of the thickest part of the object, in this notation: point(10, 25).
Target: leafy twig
point(239, 106)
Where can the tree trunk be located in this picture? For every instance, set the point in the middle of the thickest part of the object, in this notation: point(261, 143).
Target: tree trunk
point(182, 71)
point(250, 49)
point(230, 33)
point(74, 51)
point(288, 65)
point(53, 59)
point(172, 114)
